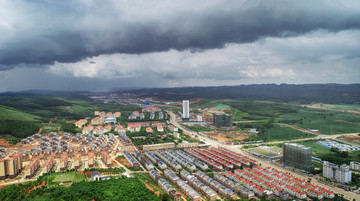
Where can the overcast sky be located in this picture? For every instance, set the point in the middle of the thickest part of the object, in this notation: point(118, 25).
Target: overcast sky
point(98, 44)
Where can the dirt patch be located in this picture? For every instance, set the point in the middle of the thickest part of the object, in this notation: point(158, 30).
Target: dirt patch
point(321, 108)
point(157, 193)
point(4, 143)
point(124, 162)
point(352, 138)
point(229, 136)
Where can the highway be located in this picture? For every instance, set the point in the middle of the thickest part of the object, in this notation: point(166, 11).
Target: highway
point(237, 148)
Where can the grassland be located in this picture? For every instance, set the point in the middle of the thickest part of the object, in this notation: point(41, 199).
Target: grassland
point(69, 177)
point(327, 122)
point(250, 109)
point(338, 106)
point(198, 128)
point(284, 133)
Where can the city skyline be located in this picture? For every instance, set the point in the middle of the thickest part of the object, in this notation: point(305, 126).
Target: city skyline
point(96, 45)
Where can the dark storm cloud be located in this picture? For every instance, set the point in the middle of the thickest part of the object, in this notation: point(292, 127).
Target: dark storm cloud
point(64, 33)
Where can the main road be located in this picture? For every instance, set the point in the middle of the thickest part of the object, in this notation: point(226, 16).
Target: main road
point(237, 148)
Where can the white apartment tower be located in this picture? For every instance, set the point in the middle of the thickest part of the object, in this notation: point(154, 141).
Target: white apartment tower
point(340, 173)
point(186, 109)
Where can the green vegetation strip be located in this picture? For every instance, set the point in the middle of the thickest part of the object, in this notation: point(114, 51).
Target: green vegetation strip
point(115, 189)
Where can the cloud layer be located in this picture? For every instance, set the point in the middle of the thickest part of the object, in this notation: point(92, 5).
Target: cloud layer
point(177, 43)
point(43, 32)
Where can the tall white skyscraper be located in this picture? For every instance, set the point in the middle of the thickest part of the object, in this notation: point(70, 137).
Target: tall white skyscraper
point(186, 109)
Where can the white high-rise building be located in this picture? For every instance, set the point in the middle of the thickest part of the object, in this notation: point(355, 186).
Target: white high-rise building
point(340, 173)
point(186, 109)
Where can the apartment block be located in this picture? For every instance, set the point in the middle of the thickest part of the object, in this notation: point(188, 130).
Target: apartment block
point(10, 166)
point(297, 155)
point(64, 162)
point(340, 173)
point(33, 168)
point(105, 157)
point(49, 164)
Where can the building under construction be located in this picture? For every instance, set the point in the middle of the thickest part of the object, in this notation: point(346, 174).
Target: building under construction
point(298, 156)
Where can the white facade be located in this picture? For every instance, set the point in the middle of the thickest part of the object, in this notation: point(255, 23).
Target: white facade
point(340, 173)
point(199, 118)
point(355, 165)
point(186, 109)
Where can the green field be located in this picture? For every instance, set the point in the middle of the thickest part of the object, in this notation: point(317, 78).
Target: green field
point(327, 122)
point(250, 109)
point(317, 149)
point(274, 132)
point(69, 177)
point(198, 128)
point(338, 107)
point(284, 133)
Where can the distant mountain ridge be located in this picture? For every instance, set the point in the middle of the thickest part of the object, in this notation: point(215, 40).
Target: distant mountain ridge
point(327, 93)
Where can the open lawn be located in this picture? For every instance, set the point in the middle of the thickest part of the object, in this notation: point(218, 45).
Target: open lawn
point(69, 177)
point(327, 122)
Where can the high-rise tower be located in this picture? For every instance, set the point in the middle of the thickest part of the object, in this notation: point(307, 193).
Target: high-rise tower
point(186, 109)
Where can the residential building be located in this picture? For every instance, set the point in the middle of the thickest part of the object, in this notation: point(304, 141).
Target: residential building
point(63, 162)
point(98, 130)
point(80, 123)
point(186, 110)
point(110, 120)
point(120, 129)
point(355, 165)
point(87, 129)
point(107, 128)
point(77, 161)
point(95, 176)
point(106, 158)
point(199, 118)
point(297, 155)
point(91, 159)
point(33, 168)
point(117, 114)
point(223, 120)
point(340, 173)
point(172, 128)
point(169, 145)
point(49, 164)
point(149, 130)
point(11, 166)
point(160, 128)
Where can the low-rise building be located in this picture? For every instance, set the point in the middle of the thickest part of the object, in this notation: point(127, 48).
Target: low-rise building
point(169, 145)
